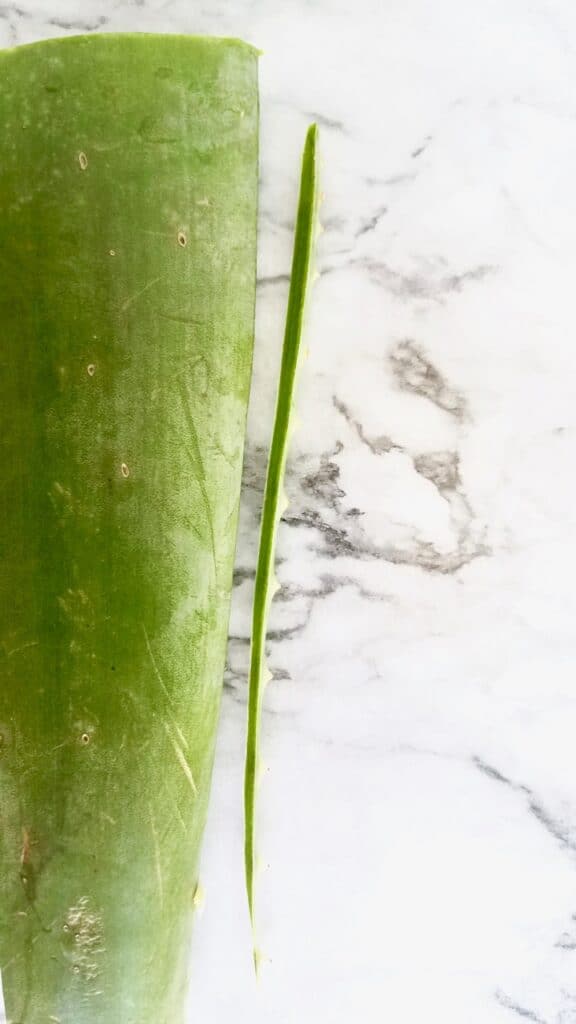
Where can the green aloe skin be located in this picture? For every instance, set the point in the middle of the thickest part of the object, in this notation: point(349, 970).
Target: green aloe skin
point(128, 192)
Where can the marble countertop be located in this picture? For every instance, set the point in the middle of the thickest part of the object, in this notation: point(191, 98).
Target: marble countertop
point(418, 814)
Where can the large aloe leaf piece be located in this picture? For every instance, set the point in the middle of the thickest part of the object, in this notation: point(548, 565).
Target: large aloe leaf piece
point(128, 191)
point(265, 583)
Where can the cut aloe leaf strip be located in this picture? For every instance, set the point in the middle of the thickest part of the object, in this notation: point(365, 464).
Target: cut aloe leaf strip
point(274, 499)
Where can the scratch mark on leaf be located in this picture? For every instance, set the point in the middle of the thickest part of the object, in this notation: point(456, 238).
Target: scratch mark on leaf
point(155, 664)
point(157, 857)
point(230, 459)
point(196, 458)
point(180, 818)
point(133, 298)
point(181, 735)
point(181, 318)
point(163, 686)
point(23, 647)
point(180, 757)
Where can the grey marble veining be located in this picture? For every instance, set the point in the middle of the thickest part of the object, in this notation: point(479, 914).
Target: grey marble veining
point(418, 812)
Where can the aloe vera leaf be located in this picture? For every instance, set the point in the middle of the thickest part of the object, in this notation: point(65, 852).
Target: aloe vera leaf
point(273, 492)
point(128, 194)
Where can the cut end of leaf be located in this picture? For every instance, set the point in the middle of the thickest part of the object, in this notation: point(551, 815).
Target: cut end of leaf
point(260, 961)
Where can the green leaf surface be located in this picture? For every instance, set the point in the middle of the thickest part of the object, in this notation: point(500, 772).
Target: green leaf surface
point(128, 194)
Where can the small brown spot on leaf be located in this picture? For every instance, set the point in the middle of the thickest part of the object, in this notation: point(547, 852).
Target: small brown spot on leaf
point(83, 161)
point(91, 369)
point(125, 470)
point(182, 239)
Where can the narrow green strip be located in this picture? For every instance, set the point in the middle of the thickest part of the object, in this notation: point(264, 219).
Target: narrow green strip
point(301, 265)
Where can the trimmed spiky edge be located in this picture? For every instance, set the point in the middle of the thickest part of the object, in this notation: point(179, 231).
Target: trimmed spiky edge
point(273, 492)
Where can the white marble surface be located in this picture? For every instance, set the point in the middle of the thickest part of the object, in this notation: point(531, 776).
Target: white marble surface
point(418, 819)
